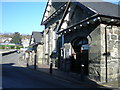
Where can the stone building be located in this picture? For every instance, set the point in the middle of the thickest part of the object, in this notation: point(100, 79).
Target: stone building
point(83, 37)
point(49, 34)
point(34, 54)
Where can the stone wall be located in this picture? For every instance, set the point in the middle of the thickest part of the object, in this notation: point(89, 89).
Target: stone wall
point(45, 55)
point(113, 47)
point(30, 56)
point(49, 30)
point(40, 54)
point(93, 34)
point(94, 54)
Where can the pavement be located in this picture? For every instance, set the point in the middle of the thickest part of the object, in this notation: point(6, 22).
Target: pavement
point(68, 76)
point(112, 84)
point(76, 78)
point(72, 77)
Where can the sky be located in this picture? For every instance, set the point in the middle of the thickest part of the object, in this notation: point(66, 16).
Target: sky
point(23, 17)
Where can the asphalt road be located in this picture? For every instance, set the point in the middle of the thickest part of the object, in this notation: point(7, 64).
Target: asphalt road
point(16, 76)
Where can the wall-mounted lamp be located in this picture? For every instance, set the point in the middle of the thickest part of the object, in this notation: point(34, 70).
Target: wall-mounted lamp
point(61, 7)
point(69, 29)
point(98, 18)
point(58, 10)
point(75, 28)
point(88, 22)
point(112, 20)
point(95, 19)
point(56, 13)
point(81, 25)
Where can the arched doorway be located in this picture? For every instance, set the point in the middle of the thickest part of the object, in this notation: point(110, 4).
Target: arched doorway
point(80, 50)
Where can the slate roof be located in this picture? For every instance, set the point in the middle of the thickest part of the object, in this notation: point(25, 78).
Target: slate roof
point(104, 8)
point(98, 7)
point(38, 37)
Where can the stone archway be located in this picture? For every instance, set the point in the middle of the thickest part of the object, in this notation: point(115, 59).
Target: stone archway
point(80, 53)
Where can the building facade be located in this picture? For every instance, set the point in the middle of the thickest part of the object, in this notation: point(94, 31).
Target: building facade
point(83, 37)
point(34, 55)
point(50, 33)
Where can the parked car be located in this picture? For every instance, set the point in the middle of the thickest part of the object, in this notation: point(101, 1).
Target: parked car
point(23, 49)
point(29, 50)
point(18, 51)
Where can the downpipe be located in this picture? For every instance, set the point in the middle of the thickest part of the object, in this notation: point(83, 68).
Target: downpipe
point(106, 53)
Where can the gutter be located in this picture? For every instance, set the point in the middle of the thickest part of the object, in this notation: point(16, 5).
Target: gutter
point(78, 23)
point(92, 17)
point(45, 12)
point(54, 13)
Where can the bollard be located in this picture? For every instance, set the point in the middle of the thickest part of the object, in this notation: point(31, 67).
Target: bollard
point(82, 72)
point(27, 62)
point(35, 62)
point(51, 64)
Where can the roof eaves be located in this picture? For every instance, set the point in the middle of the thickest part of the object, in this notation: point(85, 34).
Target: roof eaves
point(79, 23)
point(44, 12)
point(54, 14)
point(87, 19)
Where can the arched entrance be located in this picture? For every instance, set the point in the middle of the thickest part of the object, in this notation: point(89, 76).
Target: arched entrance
point(80, 53)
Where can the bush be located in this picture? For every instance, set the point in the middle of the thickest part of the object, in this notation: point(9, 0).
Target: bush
point(18, 47)
point(10, 47)
point(2, 46)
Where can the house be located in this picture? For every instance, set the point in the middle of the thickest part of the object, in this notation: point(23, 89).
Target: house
point(83, 37)
point(25, 42)
point(34, 54)
point(5, 39)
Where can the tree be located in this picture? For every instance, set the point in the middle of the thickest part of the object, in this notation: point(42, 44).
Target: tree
point(16, 38)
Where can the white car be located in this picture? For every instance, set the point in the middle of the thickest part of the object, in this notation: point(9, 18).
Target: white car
point(23, 49)
point(18, 51)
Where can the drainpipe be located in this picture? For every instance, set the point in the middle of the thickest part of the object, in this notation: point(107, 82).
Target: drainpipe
point(106, 52)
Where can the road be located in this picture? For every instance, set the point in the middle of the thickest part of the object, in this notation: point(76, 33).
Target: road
point(14, 75)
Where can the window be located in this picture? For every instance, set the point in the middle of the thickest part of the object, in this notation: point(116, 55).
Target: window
point(54, 39)
point(62, 40)
point(46, 43)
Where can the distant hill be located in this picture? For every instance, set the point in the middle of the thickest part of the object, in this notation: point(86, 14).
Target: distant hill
point(10, 35)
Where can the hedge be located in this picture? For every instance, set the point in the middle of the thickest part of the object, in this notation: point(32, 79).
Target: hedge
point(10, 47)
